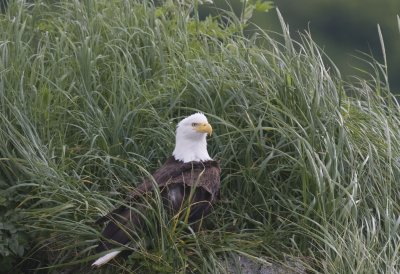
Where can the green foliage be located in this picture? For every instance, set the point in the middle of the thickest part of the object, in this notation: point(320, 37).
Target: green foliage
point(250, 6)
point(91, 91)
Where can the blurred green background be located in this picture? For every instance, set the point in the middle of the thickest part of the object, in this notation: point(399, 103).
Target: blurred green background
point(342, 28)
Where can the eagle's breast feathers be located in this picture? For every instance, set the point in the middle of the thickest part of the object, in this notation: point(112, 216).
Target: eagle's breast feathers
point(205, 175)
point(194, 174)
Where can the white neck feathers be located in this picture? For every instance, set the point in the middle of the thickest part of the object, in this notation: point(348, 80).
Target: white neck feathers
point(191, 149)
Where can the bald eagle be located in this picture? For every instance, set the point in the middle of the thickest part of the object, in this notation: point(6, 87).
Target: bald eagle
point(189, 175)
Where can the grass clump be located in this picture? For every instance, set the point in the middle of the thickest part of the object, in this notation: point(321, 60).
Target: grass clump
point(90, 93)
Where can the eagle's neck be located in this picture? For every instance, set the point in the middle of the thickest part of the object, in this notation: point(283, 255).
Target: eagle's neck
point(191, 149)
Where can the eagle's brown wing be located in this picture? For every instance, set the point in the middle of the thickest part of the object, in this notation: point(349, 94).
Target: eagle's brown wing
point(177, 182)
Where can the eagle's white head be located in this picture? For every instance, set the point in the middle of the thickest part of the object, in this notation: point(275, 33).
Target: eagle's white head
point(191, 139)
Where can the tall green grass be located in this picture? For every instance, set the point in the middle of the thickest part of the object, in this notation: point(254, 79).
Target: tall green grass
point(91, 91)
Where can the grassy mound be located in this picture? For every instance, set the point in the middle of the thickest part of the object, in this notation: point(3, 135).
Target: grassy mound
point(91, 91)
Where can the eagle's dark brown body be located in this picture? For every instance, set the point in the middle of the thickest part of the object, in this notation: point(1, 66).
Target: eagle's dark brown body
point(176, 181)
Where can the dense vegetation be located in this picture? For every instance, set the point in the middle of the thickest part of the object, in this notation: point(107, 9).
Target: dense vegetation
point(90, 93)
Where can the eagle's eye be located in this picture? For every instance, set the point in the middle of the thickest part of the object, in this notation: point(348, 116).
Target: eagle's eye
point(194, 124)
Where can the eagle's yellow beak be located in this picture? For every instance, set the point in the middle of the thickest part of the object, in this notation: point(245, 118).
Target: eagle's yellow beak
point(204, 128)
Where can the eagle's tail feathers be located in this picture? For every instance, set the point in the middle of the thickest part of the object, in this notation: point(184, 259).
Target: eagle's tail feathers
point(106, 258)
